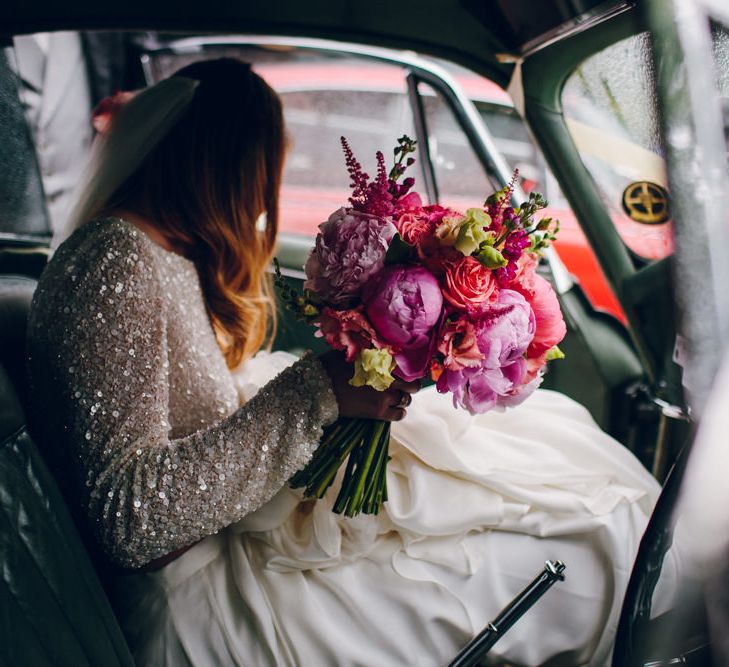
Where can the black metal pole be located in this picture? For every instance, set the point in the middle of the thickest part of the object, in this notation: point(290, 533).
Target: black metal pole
point(482, 643)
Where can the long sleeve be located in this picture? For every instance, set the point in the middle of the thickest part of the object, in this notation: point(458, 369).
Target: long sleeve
point(107, 346)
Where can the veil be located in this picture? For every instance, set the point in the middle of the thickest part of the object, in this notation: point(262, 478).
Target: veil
point(143, 122)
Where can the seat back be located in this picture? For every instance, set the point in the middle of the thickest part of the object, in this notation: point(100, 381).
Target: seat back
point(53, 610)
point(16, 293)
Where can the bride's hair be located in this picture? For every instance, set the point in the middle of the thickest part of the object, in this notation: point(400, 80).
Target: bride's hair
point(211, 186)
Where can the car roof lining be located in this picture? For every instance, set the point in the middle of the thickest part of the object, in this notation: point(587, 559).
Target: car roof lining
point(473, 33)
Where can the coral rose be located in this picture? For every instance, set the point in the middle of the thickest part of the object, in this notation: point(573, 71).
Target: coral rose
point(467, 284)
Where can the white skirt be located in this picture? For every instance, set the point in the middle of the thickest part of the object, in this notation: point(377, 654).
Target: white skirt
point(476, 506)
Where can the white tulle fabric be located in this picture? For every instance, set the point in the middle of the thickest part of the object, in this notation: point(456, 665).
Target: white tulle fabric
point(477, 504)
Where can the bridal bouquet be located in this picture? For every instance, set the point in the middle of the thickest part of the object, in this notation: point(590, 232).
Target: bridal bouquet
point(409, 290)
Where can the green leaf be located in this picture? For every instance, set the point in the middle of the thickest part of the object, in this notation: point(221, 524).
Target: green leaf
point(399, 251)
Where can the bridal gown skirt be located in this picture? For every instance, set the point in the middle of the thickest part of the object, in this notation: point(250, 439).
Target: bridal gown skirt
point(476, 505)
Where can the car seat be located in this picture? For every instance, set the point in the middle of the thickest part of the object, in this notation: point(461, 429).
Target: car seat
point(53, 610)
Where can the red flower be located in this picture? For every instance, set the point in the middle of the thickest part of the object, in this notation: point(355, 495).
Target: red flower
point(105, 111)
point(459, 346)
point(348, 330)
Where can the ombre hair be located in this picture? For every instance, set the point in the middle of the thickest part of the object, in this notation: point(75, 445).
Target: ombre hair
point(211, 188)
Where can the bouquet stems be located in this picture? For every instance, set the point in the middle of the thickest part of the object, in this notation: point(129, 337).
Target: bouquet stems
point(365, 443)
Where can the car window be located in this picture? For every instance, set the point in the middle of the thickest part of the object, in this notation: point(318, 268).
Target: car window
point(326, 95)
point(315, 179)
point(460, 177)
point(720, 35)
point(611, 111)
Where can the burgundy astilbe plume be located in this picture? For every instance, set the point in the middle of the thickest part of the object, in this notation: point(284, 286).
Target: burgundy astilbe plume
point(379, 200)
point(360, 178)
point(372, 197)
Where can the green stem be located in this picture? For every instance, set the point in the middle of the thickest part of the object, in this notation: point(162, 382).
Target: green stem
point(357, 496)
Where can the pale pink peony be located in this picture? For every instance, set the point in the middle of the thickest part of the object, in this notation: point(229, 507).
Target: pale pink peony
point(404, 306)
point(504, 332)
point(350, 249)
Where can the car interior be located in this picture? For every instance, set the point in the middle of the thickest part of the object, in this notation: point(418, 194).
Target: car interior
point(571, 94)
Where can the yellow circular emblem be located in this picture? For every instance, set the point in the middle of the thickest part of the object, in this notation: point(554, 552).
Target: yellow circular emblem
point(646, 202)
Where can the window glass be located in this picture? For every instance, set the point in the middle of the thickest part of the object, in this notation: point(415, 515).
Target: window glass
point(460, 177)
point(720, 35)
point(611, 111)
point(315, 179)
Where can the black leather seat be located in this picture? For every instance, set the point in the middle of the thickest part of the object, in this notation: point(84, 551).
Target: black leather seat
point(16, 293)
point(53, 610)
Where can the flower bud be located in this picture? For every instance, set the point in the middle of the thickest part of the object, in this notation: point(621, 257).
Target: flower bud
point(490, 257)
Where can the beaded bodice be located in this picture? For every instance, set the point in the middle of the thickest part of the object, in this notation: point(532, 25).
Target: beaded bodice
point(131, 390)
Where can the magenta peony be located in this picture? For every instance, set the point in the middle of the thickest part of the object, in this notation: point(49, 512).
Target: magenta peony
point(349, 250)
point(404, 306)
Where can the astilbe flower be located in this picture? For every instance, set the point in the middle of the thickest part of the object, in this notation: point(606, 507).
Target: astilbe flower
point(371, 197)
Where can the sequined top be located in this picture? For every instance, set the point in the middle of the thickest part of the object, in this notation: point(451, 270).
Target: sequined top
point(127, 378)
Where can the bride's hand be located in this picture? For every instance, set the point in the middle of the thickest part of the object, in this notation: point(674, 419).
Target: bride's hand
point(365, 402)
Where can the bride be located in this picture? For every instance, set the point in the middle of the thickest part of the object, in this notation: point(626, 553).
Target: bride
point(175, 439)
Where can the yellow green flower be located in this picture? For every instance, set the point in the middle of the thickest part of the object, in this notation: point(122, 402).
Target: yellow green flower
point(472, 231)
point(374, 369)
point(491, 258)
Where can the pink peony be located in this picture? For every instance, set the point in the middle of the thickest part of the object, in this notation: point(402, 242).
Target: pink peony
point(404, 306)
point(347, 330)
point(349, 250)
point(504, 332)
point(467, 285)
point(551, 328)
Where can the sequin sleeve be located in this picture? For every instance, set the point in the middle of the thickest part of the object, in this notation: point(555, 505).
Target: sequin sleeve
point(148, 494)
